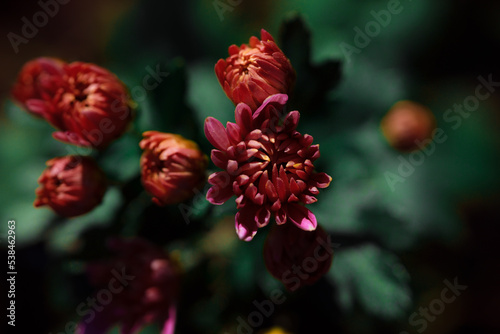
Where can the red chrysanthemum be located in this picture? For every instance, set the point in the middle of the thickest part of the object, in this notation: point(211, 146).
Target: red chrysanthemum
point(39, 86)
point(255, 71)
point(268, 166)
point(297, 257)
point(172, 167)
point(71, 185)
point(139, 285)
point(87, 103)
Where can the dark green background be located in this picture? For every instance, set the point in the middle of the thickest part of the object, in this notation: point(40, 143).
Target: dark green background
point(395, 247)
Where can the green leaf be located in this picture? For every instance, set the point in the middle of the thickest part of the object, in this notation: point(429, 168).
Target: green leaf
point(373, 278)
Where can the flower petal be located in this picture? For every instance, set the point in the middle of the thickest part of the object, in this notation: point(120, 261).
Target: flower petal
point(302, 217)
point(246, 227)
point(280, 99)
point(169, 325)
point(71, 138)
point(216, 133)
point(262, 217)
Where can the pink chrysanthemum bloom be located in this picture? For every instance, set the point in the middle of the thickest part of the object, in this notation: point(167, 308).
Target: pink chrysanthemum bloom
point(268, 166)
point(172, 167)
point(71, 185)
point(255, 71)
point(138, 286)
point(87, 103)
point(297, 257)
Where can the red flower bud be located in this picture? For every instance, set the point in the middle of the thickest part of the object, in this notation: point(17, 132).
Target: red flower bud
point(172, 167)
point(407, 125)
point(253, 72)
point(39, 86)
point(297, 257)
point(71, 185)
point(89, 104)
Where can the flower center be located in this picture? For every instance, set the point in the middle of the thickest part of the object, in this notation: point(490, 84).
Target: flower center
point(244, 61)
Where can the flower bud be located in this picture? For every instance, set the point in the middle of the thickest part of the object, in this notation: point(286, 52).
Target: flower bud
point(71, 185)
point(95, 107)
point(39, 85)
point(172, 167)
point(408, 124)
point(87, 103)
point(255, 71)
point(297, 257)
point(140, 283)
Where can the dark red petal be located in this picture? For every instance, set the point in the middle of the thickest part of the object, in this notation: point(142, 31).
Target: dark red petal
point(280, 99)
point(233, 130)
point(218, 195)
point(281, 216)
point(265, 36)
point(220, 69)
point(291, 121)
point(245, 224)
point(216, 133)
point(322, 180)
point(262, 217)
point(243, 116)
point(219, 159)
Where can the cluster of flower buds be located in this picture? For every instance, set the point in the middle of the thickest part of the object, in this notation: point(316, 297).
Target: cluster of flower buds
point(267, 164)
point(91, 107)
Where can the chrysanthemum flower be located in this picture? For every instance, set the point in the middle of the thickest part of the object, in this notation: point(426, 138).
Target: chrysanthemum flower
point(138, 286)
point(71, 185)
point(39, 86)
point(255, 71)
point(297, 257)
point(87, 103)
point(268, 166)
point(172, 167)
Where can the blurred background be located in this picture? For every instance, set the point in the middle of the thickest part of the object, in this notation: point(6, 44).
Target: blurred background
point(400, 235)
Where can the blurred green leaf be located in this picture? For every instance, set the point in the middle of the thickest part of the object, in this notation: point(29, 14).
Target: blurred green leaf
point(373, 278)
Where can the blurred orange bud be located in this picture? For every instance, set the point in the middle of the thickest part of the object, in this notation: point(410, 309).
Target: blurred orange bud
point(172, 167)
point(407, 124)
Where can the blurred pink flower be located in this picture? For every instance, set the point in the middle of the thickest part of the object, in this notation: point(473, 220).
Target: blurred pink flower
point(297, 257)
point(172, 167)
point(145, 285)
point(87, 103)
point(71, 185)
point(268, 166)
point(255, 71)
